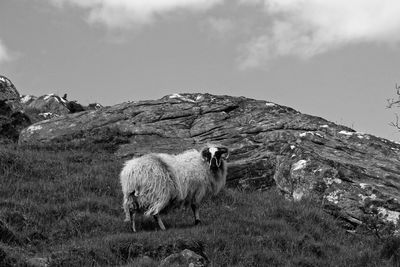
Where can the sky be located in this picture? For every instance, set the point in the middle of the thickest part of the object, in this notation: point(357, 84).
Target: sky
point(336, 59)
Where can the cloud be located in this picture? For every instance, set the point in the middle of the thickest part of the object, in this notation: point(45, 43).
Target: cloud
point(128, 13)
point(220, 28)
point(263, 29)
point(4, 53)
point(307, 28)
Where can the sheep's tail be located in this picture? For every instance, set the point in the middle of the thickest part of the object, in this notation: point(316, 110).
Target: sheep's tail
point(152, 182)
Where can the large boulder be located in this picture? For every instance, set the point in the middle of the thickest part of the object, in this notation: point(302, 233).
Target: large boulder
point(271, 145)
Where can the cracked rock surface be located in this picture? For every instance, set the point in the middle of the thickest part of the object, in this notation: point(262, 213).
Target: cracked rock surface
point(271, 145)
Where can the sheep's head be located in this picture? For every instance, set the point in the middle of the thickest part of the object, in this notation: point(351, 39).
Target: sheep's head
point(214, 155)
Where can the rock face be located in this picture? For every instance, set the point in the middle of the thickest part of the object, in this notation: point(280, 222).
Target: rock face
point(271, 145)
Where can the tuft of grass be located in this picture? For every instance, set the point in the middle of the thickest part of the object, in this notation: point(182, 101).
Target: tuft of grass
point(65, 207)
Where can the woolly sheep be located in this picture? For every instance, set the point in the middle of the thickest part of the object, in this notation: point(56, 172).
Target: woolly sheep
point(155, 182)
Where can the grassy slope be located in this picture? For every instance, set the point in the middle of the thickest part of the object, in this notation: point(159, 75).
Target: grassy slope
point(66, 207)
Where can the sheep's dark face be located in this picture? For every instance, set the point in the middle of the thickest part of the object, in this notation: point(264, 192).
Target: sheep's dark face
point(214, 156)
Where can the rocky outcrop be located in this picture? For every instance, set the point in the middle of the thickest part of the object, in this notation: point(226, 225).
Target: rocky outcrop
point(50, 103)
point(18, 112)
point(11, 123)
point(50, 106)
point(7, 89)
point(271, 145)
point(11, 120)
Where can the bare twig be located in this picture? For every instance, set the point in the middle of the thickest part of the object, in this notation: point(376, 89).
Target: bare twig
point(396, 124)
point(395, 102)
point(391, 101)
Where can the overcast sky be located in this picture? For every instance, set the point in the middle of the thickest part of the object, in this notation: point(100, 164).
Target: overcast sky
point(337, 59)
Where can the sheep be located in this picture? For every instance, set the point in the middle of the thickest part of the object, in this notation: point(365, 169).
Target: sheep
point(156, 182)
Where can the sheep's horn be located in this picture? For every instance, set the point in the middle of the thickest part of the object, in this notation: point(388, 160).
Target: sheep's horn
point(224, 150)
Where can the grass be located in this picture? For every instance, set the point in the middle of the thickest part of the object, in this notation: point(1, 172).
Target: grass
point(65, 207)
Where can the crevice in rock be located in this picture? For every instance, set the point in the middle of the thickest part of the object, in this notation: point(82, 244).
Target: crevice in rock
point(162, 118)
point(207, 132)
point(389, 170)
point(230, 108)
point(226, 109)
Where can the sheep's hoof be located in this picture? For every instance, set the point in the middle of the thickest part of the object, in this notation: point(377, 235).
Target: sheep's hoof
point(197, 222)
point(162, 227)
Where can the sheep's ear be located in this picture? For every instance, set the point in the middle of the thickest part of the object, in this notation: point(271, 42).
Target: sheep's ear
point(205, 153)
point(224, 152)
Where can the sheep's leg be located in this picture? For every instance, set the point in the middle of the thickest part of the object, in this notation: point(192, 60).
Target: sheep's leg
point(195, 208)
point(159, 221)
point(125, 206)
point(132, 214)
point(130, 208)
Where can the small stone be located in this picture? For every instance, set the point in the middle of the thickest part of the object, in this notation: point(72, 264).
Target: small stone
point(38, 262)
point(184, 259)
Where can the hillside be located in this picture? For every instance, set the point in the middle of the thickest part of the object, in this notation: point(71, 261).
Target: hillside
point(304, 156)
point(64, 209)
point(301, 190)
